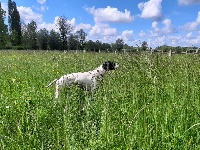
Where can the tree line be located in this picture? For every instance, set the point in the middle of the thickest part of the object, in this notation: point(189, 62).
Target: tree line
point(18, 35)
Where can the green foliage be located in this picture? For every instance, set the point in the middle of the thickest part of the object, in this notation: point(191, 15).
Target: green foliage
point(119, 44)
point(164, 48)
point(54, 40)
point(149, 102)
point(30, 35)
point(74, 43)
point(42, 39)
point(144, 46)
point(3, 29)
point(14, 23)
point(65, 29)
point(20, 47)
point(81, 35)
point(90, 46)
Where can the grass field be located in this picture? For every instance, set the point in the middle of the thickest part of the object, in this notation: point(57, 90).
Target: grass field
point(149, 102)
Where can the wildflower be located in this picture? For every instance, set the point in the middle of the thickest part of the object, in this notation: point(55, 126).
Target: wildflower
point(13, 80)
point(154, 79)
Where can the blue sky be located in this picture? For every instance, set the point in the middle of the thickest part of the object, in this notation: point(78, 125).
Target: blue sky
point(159, 22)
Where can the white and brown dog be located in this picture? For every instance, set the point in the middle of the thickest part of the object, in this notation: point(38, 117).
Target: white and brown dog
point(86, 80)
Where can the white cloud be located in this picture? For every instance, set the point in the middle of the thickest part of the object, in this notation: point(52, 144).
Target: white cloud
point(155, 27)
point(161, 40)
point(41, 1)
point(142, 34)
point(127, 35)
point(48, 26)
point(161, 34)
point(192, 26)
point(169, 28)
point(43, 8)
point(154, 24)
point(188, 2)
point(27, 15)
point(151, 9)
point(72, 21)
point(174, 40)
point(189, 35)
point(83, 26)
point(110, 14)
point(189, 41)
point(102, 29)
point(198, 18)
point(4, 7)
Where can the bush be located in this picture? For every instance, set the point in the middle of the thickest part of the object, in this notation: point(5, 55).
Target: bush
point(20, 47)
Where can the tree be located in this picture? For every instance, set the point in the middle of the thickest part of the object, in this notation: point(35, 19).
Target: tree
point(14, 23)
point(163, 48)
point(24, 35)
point(65, 29)
point(73, 42)
point(144, 46)
point(119, 44)
point(97, 45)
point(105, 47)
point(54, 40)
point(90, 46)
point(81, 35)
point(30, 35)
point(3, 29)
point(42, 39)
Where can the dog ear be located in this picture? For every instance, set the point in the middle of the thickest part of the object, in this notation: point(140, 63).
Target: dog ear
point(108, 65)
point(105, 65)
point(111, 65)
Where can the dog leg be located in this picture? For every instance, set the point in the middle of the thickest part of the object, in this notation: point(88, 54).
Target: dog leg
point(58, 85)
point(57, 90)
point(94, 84)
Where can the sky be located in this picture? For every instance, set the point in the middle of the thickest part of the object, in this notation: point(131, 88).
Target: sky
point(158, 22)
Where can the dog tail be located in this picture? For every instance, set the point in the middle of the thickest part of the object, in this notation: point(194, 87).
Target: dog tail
point(51, 83)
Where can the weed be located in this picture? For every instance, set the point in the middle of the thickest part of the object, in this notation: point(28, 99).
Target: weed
point(150, 102)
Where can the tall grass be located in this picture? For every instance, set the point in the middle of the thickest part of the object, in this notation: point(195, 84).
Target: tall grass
point(150, 102)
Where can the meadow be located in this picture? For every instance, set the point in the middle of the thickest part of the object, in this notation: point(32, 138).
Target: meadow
point(149, 102)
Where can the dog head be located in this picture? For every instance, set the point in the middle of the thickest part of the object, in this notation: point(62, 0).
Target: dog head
point(108, 65)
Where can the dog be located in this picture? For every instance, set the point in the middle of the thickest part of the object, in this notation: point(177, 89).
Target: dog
point(85, 80)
